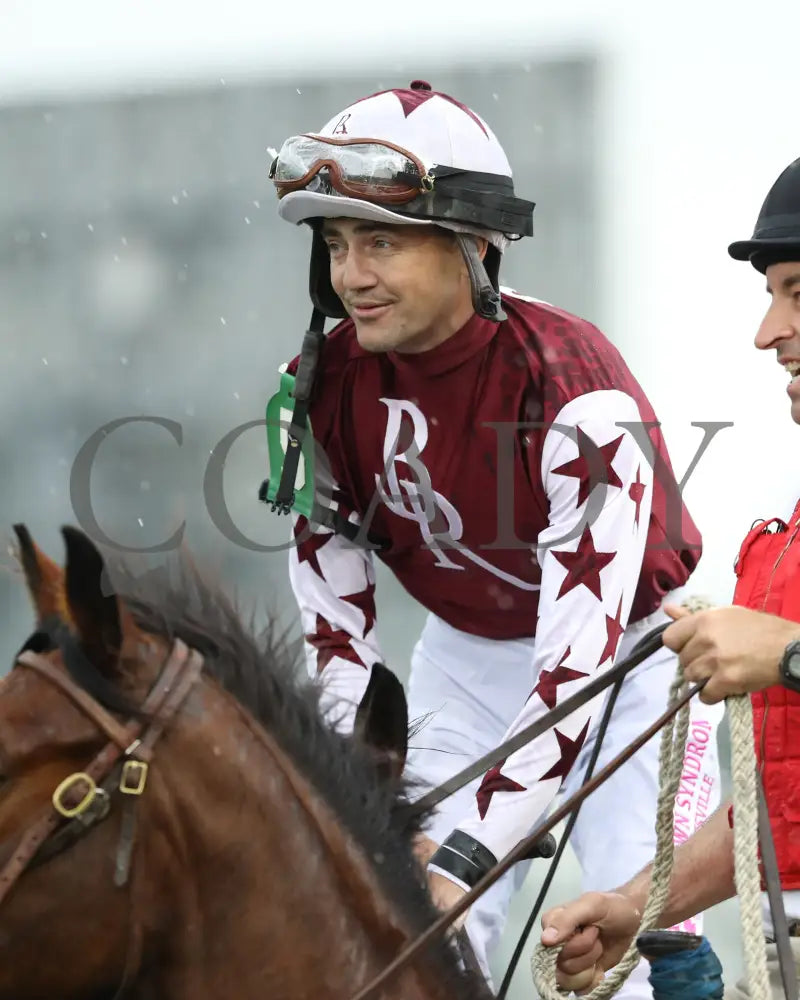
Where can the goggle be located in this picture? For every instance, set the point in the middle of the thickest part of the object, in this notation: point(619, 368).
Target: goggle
point(360, 168)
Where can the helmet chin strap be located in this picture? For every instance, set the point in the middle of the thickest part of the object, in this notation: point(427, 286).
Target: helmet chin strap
point(485, 300)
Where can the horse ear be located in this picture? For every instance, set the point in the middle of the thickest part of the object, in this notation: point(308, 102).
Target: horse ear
point(95, 611)
point(45, 580)
point(382, 721)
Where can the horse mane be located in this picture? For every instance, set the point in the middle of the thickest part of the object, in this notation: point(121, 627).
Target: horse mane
point(262, 670)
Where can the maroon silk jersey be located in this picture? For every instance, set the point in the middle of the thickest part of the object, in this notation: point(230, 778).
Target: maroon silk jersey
point(520, 487)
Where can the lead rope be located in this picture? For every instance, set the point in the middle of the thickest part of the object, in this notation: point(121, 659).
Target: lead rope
point(745, 844)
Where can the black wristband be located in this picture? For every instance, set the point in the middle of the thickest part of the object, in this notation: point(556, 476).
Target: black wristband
point(464, 858)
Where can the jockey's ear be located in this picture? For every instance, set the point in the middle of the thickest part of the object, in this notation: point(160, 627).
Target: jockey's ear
point(382, 721)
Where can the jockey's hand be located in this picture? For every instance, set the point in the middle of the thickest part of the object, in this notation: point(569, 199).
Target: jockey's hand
point(597, 927)
point(424, 848)
point(737, 649)
point(444, 892)
point(445, 895)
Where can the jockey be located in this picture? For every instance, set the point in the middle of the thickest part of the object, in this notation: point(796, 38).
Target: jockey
point(752, 646)
point(497, 455)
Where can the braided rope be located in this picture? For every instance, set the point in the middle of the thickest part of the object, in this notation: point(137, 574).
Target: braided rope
point(745, 844)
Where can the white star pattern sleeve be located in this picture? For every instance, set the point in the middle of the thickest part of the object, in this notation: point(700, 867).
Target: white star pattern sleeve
point(334, 585)
point(598, 485)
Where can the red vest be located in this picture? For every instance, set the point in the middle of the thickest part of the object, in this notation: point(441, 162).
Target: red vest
point(768, 572)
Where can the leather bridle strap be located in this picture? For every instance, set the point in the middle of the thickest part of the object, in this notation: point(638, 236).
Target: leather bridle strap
point(115, 731)
point(180, 673)
point(167, 696)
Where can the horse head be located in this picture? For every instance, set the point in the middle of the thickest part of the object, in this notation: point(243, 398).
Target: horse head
point(173, 807)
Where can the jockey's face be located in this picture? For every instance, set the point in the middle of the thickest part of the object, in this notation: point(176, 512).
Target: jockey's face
point(405, 287)
point(780, 328)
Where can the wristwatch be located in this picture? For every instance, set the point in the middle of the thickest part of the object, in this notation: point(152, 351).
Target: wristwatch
point(790, 667)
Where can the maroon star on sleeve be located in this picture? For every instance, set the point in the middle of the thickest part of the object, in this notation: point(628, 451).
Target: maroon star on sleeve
point(636, 493)
point(592, 466)
point(494, 781)
point(569, 752)
point(550, 679)
point(583, 566)
point(364, 600)
point(307, 549)
point(614, 630)
point(330, 642)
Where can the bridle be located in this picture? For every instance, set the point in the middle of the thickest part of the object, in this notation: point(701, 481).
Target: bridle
point(83, 799)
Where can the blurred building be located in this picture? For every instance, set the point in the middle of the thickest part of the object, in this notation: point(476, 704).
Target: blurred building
point(144, 272)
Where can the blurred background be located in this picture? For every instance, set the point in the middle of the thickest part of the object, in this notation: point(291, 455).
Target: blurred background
point(144, 271)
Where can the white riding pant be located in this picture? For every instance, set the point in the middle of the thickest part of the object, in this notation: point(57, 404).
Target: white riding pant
point(467, 691)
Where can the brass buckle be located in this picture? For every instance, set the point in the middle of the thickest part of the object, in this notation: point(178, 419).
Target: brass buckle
point(67, 785)
point(133, 777)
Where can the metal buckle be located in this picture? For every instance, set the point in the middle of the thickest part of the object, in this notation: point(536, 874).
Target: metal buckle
point(67, 785)
point(133, 777)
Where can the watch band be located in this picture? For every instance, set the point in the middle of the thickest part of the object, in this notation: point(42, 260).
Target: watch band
point(791, 658)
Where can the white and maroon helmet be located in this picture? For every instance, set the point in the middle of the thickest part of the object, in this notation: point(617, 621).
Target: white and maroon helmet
point(404, 156)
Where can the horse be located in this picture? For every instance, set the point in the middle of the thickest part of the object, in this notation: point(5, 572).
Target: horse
point(178, 820)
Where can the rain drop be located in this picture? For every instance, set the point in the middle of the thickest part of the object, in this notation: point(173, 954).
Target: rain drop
point(90, 227)
point(141, 522)
point(44, 361)
point(236, 395)
point(223, 321)
point(123, 360)
point(174, 199)
point(247, 220)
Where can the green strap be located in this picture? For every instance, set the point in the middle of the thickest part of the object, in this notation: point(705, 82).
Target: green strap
point(279, 417)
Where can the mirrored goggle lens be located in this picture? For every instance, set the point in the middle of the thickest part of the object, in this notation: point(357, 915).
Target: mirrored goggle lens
point(362, 164)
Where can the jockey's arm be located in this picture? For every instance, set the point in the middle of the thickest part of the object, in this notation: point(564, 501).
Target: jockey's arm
point(590, 557)
point(598, 927)
point(334, 584)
